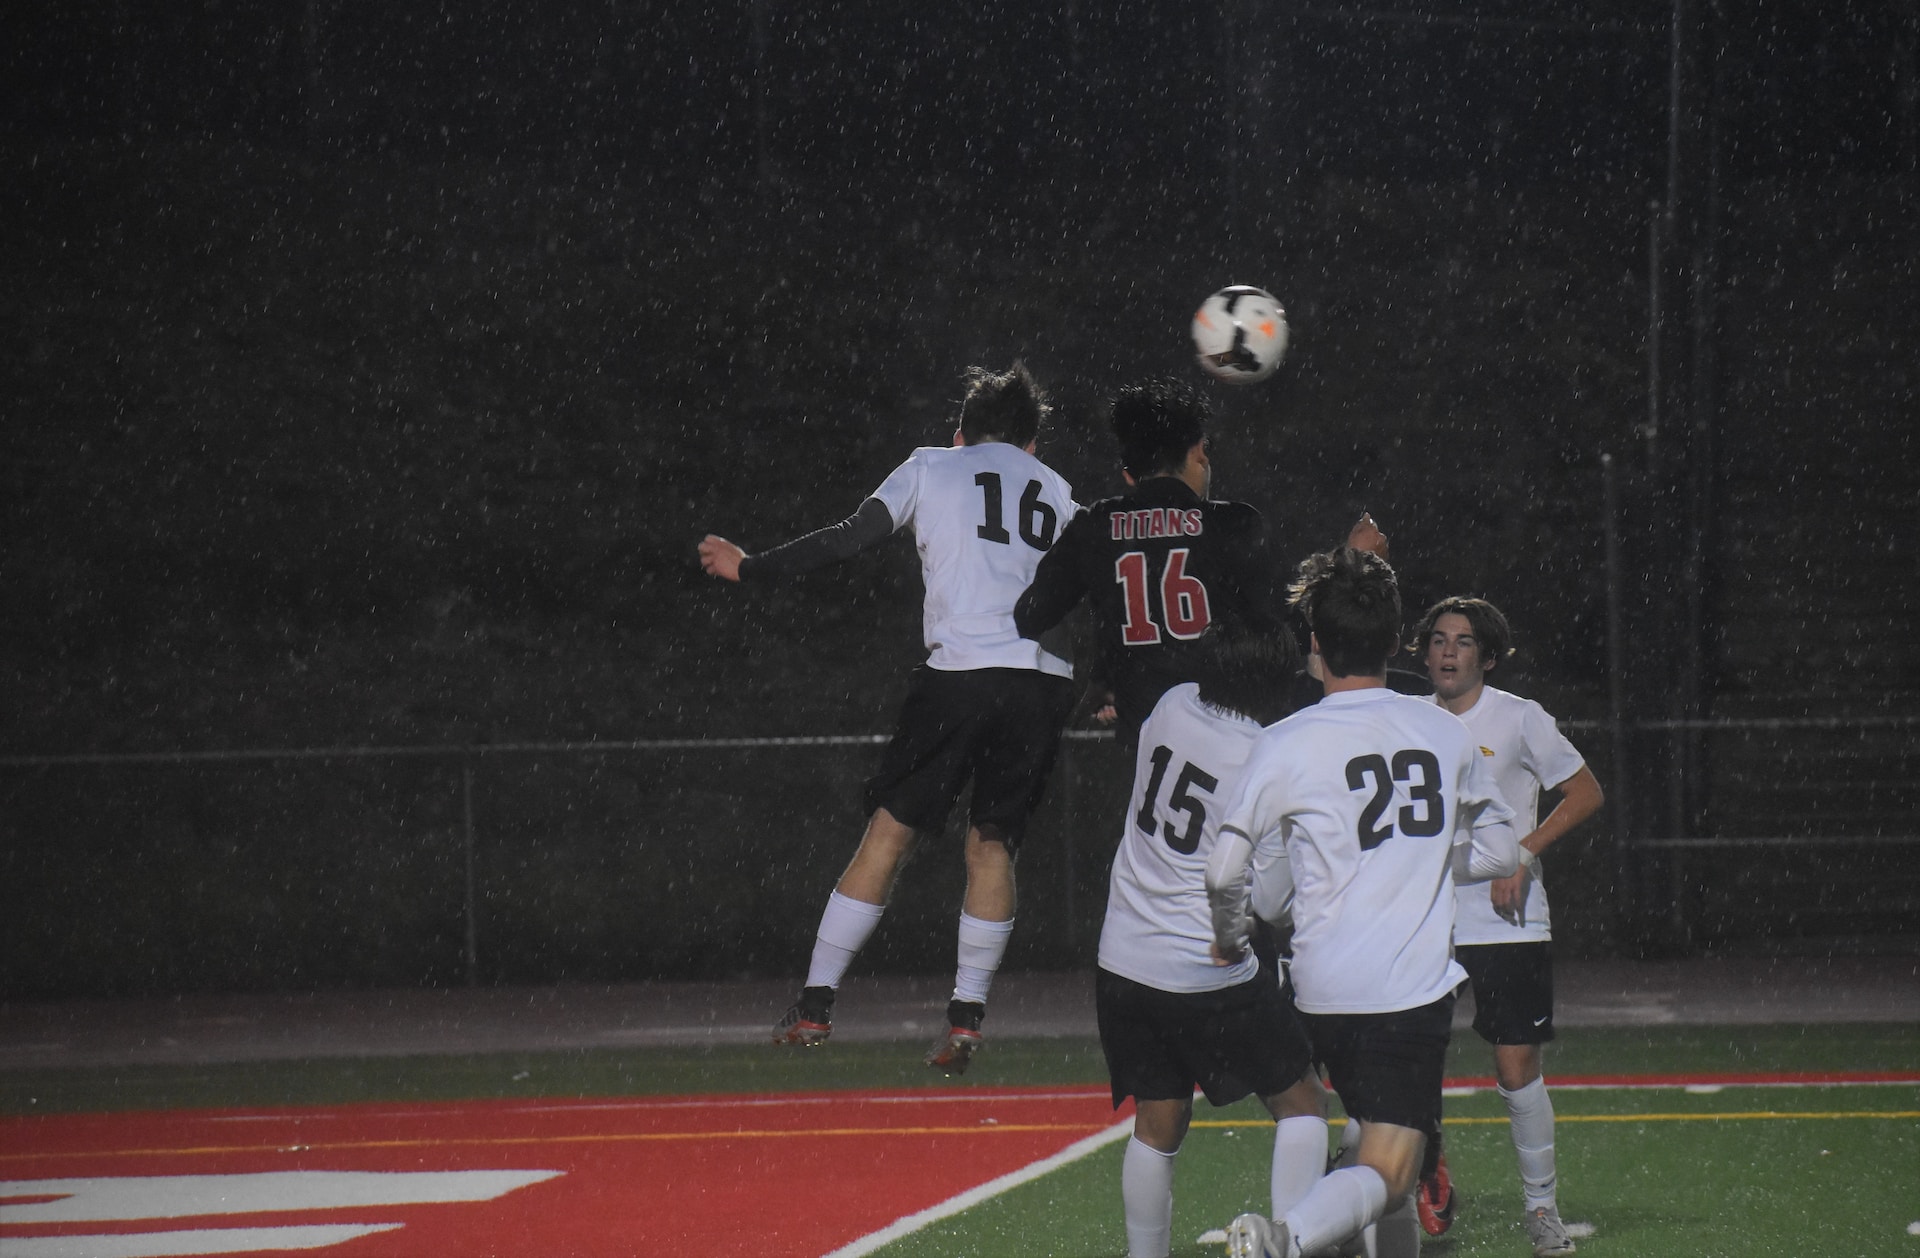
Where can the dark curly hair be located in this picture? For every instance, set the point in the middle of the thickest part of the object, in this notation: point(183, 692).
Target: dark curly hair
point(1351, 601)
point(1245, 670)
point(1156, 422)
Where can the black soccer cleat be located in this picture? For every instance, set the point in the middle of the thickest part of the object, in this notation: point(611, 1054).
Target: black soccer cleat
point(808, 1021)
point(954, 1051)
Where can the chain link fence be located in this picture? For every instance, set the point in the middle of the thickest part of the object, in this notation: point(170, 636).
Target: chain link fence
point(693, 858)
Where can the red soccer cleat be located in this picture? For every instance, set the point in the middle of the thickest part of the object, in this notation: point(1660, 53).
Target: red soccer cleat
point(1434, 1200)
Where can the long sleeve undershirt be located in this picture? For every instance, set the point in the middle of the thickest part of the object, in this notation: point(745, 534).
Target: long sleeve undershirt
point(868, 526)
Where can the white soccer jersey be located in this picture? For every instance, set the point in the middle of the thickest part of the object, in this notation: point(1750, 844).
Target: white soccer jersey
point(1369, 791)
point(1158, 930)
point(981, 517)
point(1526, 751)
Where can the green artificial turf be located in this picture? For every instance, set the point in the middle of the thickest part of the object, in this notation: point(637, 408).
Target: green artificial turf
point(1677, 1181)
point(758, 1068)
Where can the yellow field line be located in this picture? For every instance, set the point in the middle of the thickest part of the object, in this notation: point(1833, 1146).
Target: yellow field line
point(1732, 1116)
point(1738, 1116)
point(640, 1137)
point(625, 1137)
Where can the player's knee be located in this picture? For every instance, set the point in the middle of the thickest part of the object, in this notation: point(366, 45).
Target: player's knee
point(1305, 1099)
point(992, 835)
point(1162, 1125)
point(1394, 1153)
point(1516, 1066)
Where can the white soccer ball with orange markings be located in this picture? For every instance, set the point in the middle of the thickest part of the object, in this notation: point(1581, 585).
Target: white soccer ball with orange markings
point(1240, 334)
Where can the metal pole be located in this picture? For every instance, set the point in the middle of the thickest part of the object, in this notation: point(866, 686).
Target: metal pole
point(759, 40)
point(1656, 227)
point(1702, 458)
point(472, 898)
point(1070, 831)
point(1621, 787)
point(1677, 451)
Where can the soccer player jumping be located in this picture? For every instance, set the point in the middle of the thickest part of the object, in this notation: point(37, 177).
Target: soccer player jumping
point(1159, 563)
point(988, 705)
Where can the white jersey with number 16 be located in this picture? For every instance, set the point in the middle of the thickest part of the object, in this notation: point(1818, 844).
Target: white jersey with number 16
point(982, 516)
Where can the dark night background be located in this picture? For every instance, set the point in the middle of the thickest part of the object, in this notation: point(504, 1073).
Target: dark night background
point(373, 369)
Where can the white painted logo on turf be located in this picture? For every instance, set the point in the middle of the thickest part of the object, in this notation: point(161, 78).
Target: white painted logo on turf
point(222, 1240)
point(138, 1197)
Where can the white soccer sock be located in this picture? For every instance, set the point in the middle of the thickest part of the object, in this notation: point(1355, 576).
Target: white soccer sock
point(845, 927)
point(1146, 1194)
point(1530, 1118)
point(1299, 1160)
point(982, 944)
point(1397, 1234)
point(1343, 1202)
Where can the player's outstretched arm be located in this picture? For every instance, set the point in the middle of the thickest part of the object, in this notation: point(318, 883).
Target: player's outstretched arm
point(720, 557)
point(868, 526)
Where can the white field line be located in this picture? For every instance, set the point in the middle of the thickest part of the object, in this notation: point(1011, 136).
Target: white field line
point(1699, 1086)
point(195, 1243)
point(992, 1188)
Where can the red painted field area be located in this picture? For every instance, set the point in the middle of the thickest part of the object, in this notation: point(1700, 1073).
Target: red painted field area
point(788, 1175)
point(804, 1174)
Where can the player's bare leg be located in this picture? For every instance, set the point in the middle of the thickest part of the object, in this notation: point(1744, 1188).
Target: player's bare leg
point(853, 911)
point(870, 875)
point(991, 894)
point(986, 923)
point(1516, 1065)
point(1393, 1153)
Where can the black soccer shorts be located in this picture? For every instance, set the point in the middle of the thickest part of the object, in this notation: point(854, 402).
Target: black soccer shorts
point(1234, 1042)
point(1386, 1067)
point(1512, 990)
point(998, 727)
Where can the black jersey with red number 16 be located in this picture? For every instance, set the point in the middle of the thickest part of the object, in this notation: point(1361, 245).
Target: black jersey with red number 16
point(1157, 565)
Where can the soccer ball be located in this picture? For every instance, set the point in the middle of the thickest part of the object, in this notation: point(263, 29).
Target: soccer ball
point(1240, 334)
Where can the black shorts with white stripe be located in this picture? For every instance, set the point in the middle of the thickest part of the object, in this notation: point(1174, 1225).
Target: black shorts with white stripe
point(1512, 990)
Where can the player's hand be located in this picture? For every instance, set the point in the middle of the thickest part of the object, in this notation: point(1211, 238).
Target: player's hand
point(1227, 956)
point(1104, 712)
point(721, 558)
point(1366, 535)
point(1510, 896)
